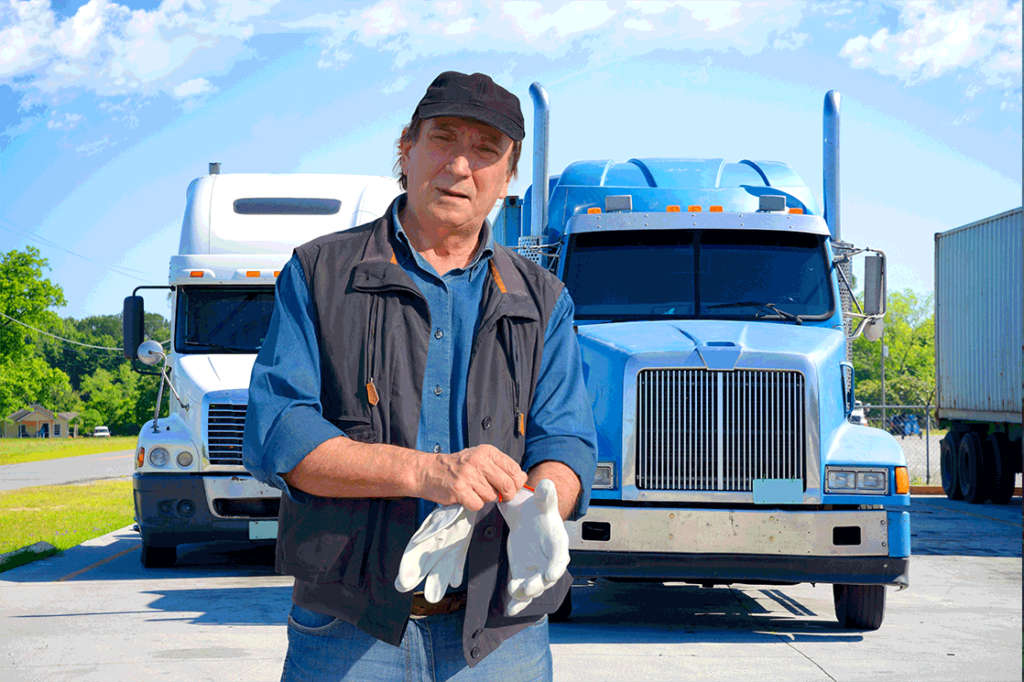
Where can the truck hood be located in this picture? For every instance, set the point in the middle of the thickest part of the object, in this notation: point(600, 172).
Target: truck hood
point(197, 375)
point(715, 344)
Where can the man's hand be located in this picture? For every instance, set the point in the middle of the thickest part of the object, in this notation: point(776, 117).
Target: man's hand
point(437, 552)
point(471, 477)
point(538, 544)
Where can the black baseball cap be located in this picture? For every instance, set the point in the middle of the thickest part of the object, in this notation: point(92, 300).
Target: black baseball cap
point(477, 97)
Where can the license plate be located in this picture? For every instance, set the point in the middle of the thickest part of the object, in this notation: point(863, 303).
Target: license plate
point(263, 530)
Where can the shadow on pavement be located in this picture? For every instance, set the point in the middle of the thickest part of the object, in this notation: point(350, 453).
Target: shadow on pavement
point(633, 612)
point(939, 526)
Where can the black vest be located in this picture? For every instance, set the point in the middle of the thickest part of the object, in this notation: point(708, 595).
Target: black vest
point(373, 328)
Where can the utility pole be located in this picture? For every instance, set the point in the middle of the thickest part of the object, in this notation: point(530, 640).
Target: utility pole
point(885, 353)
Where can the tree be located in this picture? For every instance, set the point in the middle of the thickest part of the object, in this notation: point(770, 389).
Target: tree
point(910, 366)
point(27, 296)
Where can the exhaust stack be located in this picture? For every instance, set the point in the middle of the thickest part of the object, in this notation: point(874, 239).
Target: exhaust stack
point(830, 163)
point(539, 200)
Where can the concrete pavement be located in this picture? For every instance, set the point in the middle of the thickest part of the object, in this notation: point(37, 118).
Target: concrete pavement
point(95, 614)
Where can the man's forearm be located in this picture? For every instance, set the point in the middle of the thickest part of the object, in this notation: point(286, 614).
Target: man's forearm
point(567, 483)
point(342, 467)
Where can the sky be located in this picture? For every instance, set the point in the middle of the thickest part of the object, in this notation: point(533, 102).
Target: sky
point(109, 109)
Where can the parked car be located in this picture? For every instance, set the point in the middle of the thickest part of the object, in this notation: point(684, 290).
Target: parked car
point(905, 425)
point(857, 415)
point(101, 432)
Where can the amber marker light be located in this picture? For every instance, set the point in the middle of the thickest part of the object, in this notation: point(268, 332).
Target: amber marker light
point(252, 273)
point(276, 273)
point(715, 209)
point(140, 457)
point(595, 209)
point(693, 209)
point(902, 481)
point(672, 208)
point(796, 211)
point(196, 273)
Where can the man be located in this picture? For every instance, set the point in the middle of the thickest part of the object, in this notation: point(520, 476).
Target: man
point(412, 362)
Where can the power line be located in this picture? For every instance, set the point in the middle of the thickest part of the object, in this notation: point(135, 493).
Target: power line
point(116, 269)
point(59, 338)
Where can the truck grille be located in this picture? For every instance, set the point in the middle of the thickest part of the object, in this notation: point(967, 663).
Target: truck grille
point(224, 428)
point(701, 430)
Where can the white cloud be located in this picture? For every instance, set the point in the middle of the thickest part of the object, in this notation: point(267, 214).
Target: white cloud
point(637, 25)
point(95, 147)
point(193, 88)
point(933, 40)
point(67, 123)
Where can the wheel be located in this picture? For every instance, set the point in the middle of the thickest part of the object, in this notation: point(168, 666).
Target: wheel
point(947, 463)
point(1002, 473)
point(158, 557)
point(563, 612)
point(970, 469)
point(860, 607)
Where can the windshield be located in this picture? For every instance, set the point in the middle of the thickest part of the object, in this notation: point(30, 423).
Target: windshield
point(222, 319)
point(646, 274)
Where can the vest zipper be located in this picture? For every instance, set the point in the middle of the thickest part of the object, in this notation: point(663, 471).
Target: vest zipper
point(371, 389)
point(520, 418)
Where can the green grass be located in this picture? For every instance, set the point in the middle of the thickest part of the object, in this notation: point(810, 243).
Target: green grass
point(19, 450)
point(63, 515)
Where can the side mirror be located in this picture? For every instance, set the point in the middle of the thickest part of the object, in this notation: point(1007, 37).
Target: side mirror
point(132, 327)
point(150, 352)
point(874, 285)
point(874, 296)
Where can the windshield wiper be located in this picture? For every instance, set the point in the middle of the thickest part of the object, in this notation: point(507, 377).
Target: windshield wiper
point(217, 346)
point(760, 307)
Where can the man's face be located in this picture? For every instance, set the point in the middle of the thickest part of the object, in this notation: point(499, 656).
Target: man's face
point(456, 171)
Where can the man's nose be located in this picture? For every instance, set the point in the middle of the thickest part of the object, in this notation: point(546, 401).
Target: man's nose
point(458, 163)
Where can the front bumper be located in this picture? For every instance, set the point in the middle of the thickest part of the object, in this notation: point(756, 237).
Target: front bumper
point(859, 546)
point(162, 524)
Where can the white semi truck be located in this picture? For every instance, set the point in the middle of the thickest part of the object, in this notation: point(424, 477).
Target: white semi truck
point(237, 233)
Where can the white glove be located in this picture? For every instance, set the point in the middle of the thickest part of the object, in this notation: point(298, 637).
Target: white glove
point(437, 552)
point(538, 544)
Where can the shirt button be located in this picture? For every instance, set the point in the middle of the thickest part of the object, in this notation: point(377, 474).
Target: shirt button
point(438, 334)
point(438, 390)
point(475, 653)
point(489, 533)
point(487, 422)
point(437, 448)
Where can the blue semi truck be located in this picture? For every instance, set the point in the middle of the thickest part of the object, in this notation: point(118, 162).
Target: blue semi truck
point(714, 314)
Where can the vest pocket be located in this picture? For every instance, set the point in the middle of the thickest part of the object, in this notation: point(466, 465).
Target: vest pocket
point(325, 540)
point(357, 428)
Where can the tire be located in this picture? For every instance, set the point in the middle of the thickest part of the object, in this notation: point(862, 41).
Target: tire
point(564, 610)
point(859, 607)
point(971, 469)
point(1001, 453)
point(158, 557)
point(947, 464)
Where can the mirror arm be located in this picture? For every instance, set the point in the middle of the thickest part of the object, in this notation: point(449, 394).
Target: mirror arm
point(864, 319)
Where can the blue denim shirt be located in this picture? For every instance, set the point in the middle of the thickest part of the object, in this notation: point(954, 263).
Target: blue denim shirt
point(286, 376)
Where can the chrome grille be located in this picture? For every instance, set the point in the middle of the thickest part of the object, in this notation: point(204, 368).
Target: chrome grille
point(700, 430)
point(224, 427)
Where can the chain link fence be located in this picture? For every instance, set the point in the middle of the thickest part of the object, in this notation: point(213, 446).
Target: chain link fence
point(914, 428)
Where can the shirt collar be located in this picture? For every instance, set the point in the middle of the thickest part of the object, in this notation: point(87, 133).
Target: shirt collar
point(483, 253)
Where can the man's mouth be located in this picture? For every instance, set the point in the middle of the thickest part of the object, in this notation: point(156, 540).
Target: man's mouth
point(450, 193)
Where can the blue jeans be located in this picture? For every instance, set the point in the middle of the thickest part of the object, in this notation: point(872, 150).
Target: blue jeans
point(323, 648)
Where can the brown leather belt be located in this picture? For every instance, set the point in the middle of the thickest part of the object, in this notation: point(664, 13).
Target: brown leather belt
point(449, 603)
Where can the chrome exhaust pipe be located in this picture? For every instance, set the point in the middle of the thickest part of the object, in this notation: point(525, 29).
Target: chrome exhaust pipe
point(539, 205)
point(830, 164)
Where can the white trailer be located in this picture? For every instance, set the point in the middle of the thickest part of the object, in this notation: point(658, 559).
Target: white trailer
point(979, 356)
point(238, 231)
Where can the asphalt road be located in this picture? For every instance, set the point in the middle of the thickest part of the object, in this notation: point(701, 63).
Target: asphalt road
point(95, 614)
point(106, 465)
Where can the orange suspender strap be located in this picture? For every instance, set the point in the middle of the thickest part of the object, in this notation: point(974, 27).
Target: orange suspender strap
point(497, 277)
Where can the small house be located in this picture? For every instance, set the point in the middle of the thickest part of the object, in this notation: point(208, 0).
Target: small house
point(35, 421)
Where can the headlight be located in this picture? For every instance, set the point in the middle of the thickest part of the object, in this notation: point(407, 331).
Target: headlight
point(604, 477)
point(159, 457)
point(856, 480)
point(184, 458)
